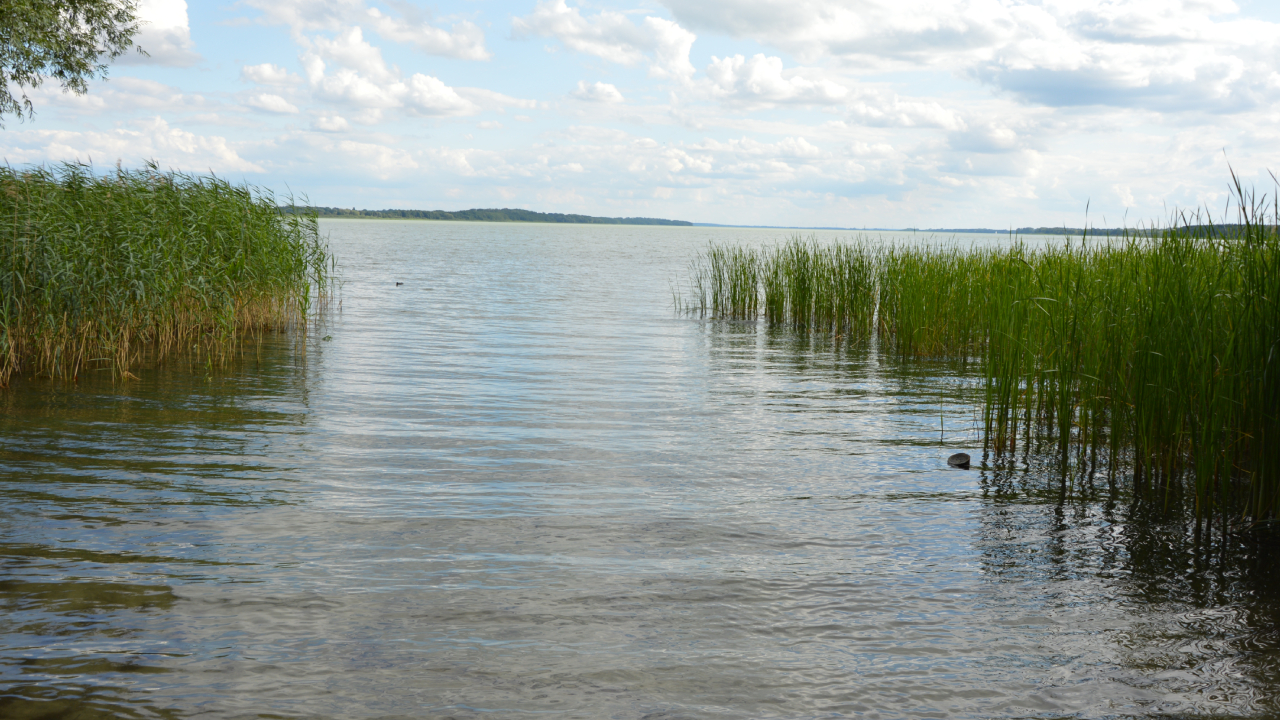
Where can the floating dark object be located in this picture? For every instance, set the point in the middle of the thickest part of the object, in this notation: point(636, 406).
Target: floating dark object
point(399, 284)
point(959, 460)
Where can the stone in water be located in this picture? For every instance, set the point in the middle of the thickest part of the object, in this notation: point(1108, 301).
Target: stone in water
point(959, 460)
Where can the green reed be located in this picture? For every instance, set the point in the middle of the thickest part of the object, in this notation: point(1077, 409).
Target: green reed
point(932, 299)
point(800, 283)
point(1155, 354)
point(97, 271)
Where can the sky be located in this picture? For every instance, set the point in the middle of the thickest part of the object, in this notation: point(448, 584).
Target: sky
point(804, 113)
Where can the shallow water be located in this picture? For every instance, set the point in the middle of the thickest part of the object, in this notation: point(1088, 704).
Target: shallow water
point(517, 484)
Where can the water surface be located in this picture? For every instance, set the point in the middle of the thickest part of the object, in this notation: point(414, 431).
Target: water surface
point(517, 484)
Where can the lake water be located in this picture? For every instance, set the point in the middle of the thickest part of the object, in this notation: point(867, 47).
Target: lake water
point(519, 485)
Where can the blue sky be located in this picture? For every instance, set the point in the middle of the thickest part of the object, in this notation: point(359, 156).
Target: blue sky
point(851, 113)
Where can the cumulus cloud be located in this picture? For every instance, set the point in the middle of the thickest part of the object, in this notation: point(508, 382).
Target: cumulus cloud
point(363, 79)
point(330, 123)
point(490, 100)
point(965, 135)
point(989, 137)
point(350, 50)
point(271, 103)
point(1179, 55)
point(745, 147)
point(614, 37)
point(597, 92)
point(267, 74)
point(1124, 194)
point(384, 162)
point(125, 95)
point(152, 139)
point(165, 35)
point(463, 40)
point(1117, 59)
point(762, 80)
point(1020, 163)
point(644, 162)
point(889, 110)
point(429, 96)
point(873, 30)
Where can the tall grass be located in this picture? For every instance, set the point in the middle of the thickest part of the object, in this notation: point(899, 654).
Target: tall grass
point(1160, 354)
point(1155, 354)
point(800, 283)
point(98, 271)
point(932, 298)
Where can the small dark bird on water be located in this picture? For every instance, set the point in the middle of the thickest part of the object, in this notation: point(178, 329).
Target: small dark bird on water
point(959, 460)
point(399, 284)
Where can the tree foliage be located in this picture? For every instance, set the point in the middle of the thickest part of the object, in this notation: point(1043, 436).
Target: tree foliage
point(69, 40)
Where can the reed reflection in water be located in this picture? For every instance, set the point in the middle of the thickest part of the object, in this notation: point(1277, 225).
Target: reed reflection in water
point(518, 483)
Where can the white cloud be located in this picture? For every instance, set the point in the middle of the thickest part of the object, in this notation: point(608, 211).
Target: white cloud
point(1158, 59)
point(152, 139)
point(1019, 163)
point(876, 31)
point(991, 137)
point(612, 36)
point(802, 114)
point(363, 79)
point(429, 96)
point(347, 86)
point(792, 148)
point(121, 95)
point(165, 35)
point(1175, 55)
point(597, 92)
point(383, 161)
point(267, 74)
point(350, 50)
point(271, 103)
point(331, 123)
point(464, 40)
point(672, 45)
point(490, 100)
point(886, 110)
point(761, 80)
point(1124, 194)
point(368, 116)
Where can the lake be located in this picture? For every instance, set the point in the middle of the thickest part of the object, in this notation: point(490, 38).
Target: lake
point(519, 484)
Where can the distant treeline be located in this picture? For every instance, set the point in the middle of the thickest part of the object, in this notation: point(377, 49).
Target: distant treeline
point(1144, 231)
point(1219, 229)
point(486, 215)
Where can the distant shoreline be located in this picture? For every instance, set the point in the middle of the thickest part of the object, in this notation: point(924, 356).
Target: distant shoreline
point(532, 216)
point(481, 215)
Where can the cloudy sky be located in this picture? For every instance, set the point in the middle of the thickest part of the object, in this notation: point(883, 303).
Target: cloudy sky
point(850, 113)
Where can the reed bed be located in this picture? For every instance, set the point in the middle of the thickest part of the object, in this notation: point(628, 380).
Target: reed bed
point(100, 271)
point(1155, 355)
point(799, 283)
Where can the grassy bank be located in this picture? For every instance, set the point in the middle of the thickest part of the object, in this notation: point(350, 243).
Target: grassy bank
point(106, 271)
point(1154, 357)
